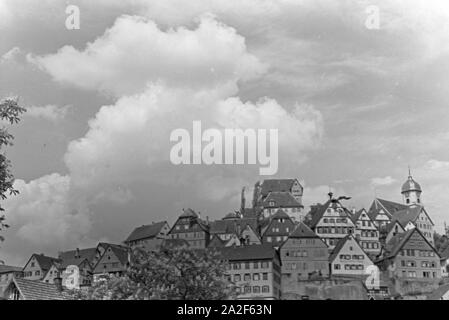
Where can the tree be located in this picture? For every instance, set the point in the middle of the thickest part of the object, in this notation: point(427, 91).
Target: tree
point(10, 112)
point(172, 273)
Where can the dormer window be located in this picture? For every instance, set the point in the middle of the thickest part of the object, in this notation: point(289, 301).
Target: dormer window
point(271, 203)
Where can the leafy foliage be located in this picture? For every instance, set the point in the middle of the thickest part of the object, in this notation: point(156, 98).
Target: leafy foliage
point(441, 242)
point(170, 273)
point(10, 112)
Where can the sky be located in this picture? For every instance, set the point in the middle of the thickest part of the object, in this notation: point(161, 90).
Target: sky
point(355, 105)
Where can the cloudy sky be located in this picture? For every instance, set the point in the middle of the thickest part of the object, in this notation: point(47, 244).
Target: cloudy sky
point(354, 107)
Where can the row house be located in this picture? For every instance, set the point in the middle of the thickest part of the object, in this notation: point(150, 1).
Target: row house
point(38, 266)
point(416, 216)
point(114, 261)
point(191, 228)
point(6, 275)
point(304, 256)
point(332, 222)
point(389, 231)
point(410, 256)
point(277, 229)
point(366, 232)
point(148, 237)
point(284, 201)
point(233, 229)
point(255, 270)
point(282, 193)
point(262, 189)
point(349, 259)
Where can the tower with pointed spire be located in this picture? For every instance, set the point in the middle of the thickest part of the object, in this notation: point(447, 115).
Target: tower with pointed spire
point(411, 190)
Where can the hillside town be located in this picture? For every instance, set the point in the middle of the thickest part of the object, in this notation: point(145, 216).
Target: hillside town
point(276, 249)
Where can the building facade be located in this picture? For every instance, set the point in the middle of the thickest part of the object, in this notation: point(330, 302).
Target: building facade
point(191, 228)
point(366, 232)
point(255, 270)
point(304, 256)
point(349, 259)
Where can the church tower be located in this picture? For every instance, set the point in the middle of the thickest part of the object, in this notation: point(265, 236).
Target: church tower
point(411, 191)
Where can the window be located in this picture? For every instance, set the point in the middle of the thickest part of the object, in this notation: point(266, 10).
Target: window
point(237, 278)
point(256, 277)
point(265, 276)
point(265, 289)
point(32, 264)
point(236, 266)
point(247, 289)
point(256, 289)
point(264, 265)
point(247, 277)
point(337, 267)
point(37, 273)
point(247, 265)
point(256, 265)
point(268, 239)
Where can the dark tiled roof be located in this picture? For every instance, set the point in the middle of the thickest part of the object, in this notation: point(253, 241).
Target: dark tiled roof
point(37, 290)
point(357, 215)
point(318, 214)
point(249, 213)
point(276, 185)
point(303, 231)
point(121, 253)
point(222, 226)
point(8, 269)
point(338, 247)
point(281, 200)
point(251, 252)
point(390, 206)
point(410, 214)
point(216, 242)
point(45, 262)
point(146, 232)
point(398, 241)
point(81, 254)
point(72, 262)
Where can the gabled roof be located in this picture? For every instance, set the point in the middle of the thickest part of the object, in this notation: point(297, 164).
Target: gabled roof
point(81, 254)
point(8, 269)
point(339, 246)
point(250, 252)
point(216, 242)
point(276, 185)
point(249, 213)
point(222, 226)
point(281, 200)
point(121, 253)
point(303, 231)
point(389, 206)
point(398, 241)
point(149, 231)
point(280, 214)
point(390, 226)
point(276, 221)
point(37, 290)
point(45, 262)
point(410, 214)
point(321, 210)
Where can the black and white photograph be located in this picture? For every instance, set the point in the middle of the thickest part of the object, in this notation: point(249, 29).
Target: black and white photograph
point(242, 151)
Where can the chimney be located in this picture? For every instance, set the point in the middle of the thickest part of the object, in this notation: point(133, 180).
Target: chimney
point(77, 252)
point(207, 219)
point(58, 283)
